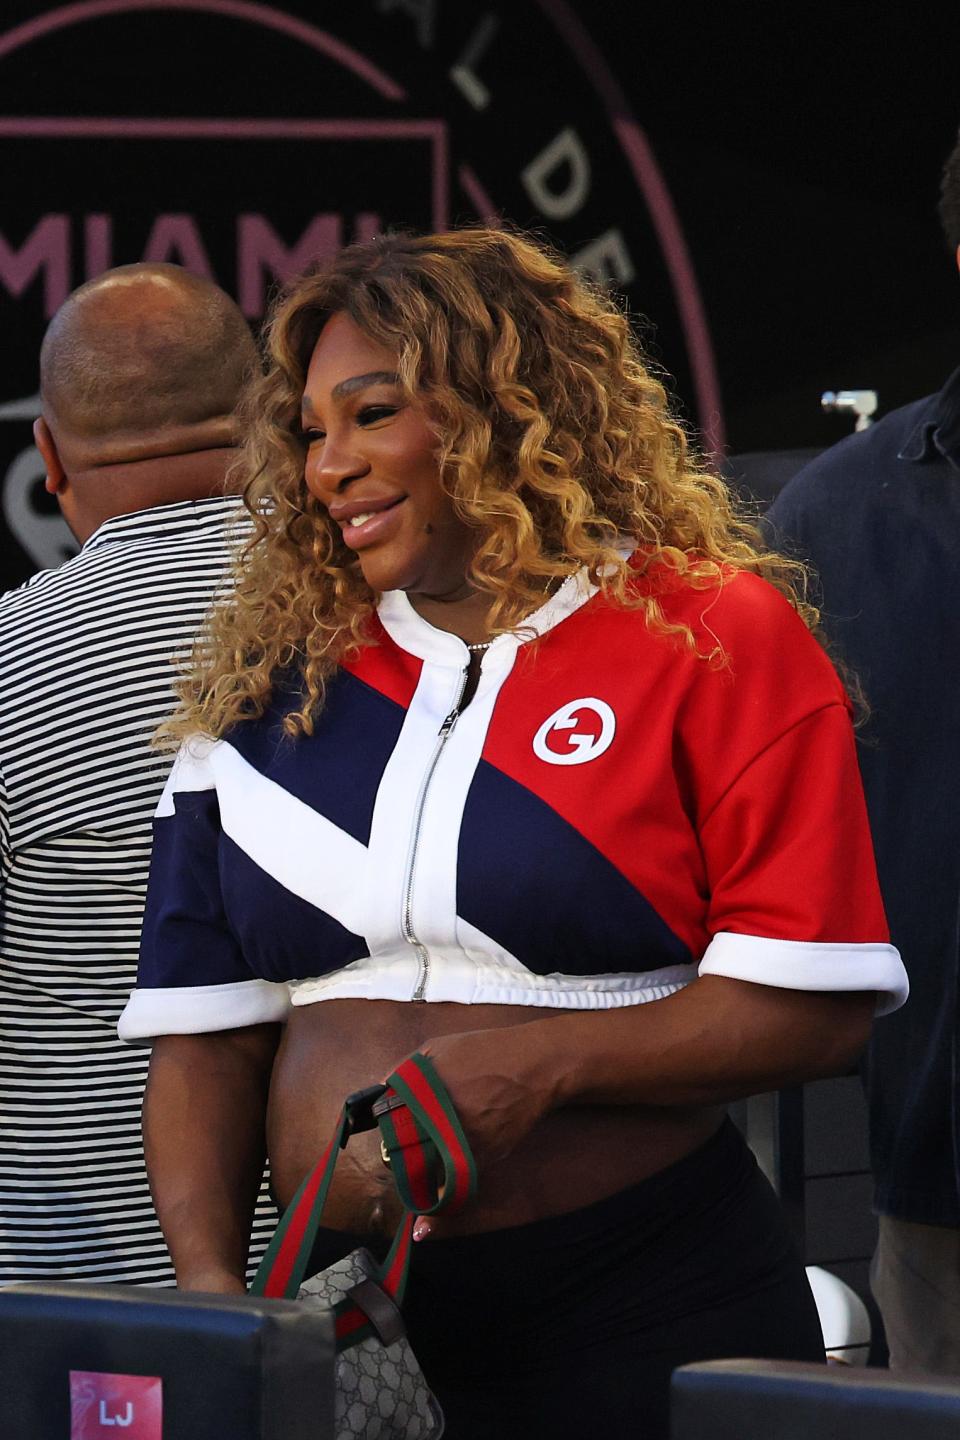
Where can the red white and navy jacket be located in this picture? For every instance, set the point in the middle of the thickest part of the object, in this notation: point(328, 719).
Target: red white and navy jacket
point(608, 817)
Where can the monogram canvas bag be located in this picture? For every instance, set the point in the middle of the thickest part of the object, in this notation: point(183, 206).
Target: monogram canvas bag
point(381, 1393)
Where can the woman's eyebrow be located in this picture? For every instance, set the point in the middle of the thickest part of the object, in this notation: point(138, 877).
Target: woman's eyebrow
point(349, 387)
point(360, 382)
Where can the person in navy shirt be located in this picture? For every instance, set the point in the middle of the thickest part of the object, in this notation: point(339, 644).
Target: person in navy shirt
point(510, 746)
point(879, 517)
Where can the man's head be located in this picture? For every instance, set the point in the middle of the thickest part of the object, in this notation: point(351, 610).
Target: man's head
point(950, 200)
point(140, 372)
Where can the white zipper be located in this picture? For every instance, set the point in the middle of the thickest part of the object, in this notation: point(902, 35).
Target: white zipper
point(443, 735)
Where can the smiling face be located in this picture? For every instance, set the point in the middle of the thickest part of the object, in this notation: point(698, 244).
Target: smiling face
point(371, 460)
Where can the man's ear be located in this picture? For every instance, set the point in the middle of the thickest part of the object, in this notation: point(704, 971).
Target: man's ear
point(45, 443)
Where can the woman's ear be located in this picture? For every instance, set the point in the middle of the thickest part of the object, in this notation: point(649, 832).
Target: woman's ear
point(45, 443)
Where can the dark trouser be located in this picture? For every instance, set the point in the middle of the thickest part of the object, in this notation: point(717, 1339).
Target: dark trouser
point(570, 1327)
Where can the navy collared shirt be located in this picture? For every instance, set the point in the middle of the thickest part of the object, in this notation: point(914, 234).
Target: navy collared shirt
point(878, 515)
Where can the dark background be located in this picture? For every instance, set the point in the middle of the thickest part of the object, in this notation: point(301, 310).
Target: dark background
point(801, 147)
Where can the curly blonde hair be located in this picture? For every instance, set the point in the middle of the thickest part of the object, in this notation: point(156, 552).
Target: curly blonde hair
point(556, 442)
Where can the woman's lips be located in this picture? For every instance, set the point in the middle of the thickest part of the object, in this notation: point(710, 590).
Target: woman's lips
point(378, 525)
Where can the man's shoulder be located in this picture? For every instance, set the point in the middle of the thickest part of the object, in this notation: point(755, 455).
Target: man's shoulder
point(849, 475)
point(870, 451)
point(44, 588)
point(51, 588)
point(222, 525)
point(62, 615)
point(139, 591)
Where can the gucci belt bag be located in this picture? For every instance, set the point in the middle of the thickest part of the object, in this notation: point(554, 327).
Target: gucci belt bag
point(380, 1392)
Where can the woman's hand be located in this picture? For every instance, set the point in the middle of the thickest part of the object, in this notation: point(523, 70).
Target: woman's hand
point(501, 1085)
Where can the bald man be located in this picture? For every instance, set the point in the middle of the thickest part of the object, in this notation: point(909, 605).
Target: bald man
point(140, 372)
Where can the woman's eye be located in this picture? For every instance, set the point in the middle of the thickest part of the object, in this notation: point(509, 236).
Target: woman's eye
point(311, 437)
point(370, 414)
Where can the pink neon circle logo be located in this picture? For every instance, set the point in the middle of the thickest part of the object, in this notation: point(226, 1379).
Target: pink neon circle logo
point(398, 122)
point(627, 132)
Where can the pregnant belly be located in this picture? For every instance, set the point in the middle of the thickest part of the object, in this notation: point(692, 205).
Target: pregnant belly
point(572, 1158)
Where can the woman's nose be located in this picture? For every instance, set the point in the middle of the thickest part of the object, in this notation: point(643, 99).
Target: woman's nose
point(335, 466)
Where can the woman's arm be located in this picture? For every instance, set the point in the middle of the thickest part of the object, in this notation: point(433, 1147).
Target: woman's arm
point(203, 1124)
point(716, 1040)
point(763, 755)
point(215, 1028)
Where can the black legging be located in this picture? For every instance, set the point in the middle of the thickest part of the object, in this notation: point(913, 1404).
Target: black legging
point(570, 1327)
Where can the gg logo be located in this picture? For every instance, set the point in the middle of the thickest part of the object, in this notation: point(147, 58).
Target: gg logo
point(579, 731)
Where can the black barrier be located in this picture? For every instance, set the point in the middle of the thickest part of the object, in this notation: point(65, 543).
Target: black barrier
point(777, 1400)
point(89, 1362)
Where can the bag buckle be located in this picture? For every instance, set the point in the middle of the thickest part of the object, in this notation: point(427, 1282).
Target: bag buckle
point(386, 1103)
point(383, 1107)
point(360, 1112)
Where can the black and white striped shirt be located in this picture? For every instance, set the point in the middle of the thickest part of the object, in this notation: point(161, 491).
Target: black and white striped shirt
point(85, 678)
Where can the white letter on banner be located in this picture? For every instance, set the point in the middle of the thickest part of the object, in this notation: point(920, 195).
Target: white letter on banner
point(422, 13)
point(463, 74)
point(607, 259)
point(564, 151)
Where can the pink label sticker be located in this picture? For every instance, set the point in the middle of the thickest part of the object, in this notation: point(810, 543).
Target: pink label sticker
point(115, 1405)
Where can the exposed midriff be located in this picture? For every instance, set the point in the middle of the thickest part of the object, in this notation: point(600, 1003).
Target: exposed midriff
point(572, 1158)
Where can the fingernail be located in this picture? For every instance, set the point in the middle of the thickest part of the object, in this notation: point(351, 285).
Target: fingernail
point(421, 1230)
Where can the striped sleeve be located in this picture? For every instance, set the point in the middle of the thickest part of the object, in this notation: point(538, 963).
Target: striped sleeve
point(4, 830)
point(192, 977)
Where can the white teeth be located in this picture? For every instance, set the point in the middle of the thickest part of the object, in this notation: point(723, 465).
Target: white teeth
point(362, 519)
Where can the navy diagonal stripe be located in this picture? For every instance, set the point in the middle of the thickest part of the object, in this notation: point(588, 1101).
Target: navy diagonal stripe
point(184, 903)
point(279, 948)
point(356, 720)
point(535, 885)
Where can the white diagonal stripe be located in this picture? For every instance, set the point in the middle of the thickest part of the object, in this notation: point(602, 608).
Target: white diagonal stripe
point(303, 850)
point(191, 772)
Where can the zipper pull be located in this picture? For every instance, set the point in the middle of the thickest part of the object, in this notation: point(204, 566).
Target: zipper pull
point(454, 715)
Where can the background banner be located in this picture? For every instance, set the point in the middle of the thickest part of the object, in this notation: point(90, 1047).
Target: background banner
point(243, 140)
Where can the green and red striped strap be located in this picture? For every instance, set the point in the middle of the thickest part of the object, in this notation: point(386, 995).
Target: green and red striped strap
point(433, 1169)
point(421, 1132)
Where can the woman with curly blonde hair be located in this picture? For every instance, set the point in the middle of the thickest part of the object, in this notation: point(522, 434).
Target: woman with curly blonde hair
point(512, 746)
